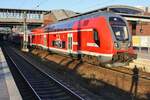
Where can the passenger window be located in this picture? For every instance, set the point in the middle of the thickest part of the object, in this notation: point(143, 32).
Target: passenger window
point(53, 43)
point(58, 44)
point(96, 37)
point(63, 44)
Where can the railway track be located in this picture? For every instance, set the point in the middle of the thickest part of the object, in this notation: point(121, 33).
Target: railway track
point(142, 74)
point(119, 69)
point(42, 85)
point(129, 72)
point(117, 73)
point(123, 70)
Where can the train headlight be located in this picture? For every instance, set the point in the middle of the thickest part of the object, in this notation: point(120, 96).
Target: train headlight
point(129, 44)
point(116, 45)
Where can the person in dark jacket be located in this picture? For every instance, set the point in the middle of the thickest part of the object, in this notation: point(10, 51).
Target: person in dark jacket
point(135, 79)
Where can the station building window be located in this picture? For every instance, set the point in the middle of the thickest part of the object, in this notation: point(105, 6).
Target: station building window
point(1, 14)
point(20, 14)
point(4, 14)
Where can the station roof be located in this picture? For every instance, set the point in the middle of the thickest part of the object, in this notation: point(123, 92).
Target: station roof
point(28, 10)
point(122, 9)
point(129, 12)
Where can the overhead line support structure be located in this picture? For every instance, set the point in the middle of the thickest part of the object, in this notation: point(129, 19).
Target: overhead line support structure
point(25, 35)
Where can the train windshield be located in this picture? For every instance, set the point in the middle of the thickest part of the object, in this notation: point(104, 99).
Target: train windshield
point(119, 28)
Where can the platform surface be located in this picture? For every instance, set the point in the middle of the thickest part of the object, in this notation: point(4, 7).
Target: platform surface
point(144, 56)
point(8, 88)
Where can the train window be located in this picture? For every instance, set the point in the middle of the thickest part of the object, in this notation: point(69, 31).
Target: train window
point(96, 37)
point(58, 44)
point(53, 43)
point(63, 44)
point(119, 28)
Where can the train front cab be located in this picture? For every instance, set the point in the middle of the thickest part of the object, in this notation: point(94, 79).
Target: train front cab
point(122, 51)
point(108, 42)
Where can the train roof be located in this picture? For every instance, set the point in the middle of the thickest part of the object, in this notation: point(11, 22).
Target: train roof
point(38, 30)
point(68, 23)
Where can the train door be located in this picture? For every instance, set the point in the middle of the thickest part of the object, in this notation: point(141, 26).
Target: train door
point(70, 39)
point(45, 40)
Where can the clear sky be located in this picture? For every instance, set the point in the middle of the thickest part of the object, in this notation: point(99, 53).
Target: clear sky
point(75, 5)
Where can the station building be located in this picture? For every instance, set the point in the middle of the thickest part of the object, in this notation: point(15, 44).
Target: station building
point(56, 15)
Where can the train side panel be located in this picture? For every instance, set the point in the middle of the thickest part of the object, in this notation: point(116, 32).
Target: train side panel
point(103, 50)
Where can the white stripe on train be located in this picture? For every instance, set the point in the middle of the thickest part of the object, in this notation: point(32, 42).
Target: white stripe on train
point(76, 52)
point(59, 32)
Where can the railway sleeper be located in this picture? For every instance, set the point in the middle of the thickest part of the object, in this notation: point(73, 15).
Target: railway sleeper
point(50, 91)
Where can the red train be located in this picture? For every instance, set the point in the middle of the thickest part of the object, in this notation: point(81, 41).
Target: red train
point(97, 38)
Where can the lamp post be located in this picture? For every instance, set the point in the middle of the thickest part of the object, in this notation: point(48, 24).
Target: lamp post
point(25, 35)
